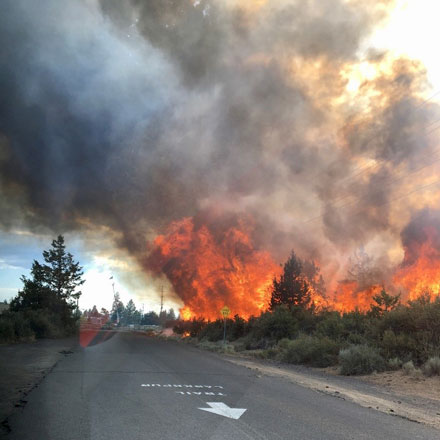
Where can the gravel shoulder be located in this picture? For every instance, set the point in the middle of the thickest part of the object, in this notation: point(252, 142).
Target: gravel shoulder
point(419, 403)
point(23, 366)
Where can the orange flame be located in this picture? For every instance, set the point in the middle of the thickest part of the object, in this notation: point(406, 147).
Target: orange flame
point(349, 296)
point(213, 265)
point(420, 270)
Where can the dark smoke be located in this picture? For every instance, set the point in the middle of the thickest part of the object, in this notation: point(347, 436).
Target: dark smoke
point(133, 113)
point(424, 227)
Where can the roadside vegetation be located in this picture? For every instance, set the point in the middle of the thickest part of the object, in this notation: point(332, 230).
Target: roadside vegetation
point(123, 315)
point(46, 306)
point(389, 336)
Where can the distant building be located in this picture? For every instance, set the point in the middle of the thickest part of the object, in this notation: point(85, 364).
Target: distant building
point(3, 307)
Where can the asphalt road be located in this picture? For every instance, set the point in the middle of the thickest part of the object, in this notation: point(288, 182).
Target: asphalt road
point(137, 387)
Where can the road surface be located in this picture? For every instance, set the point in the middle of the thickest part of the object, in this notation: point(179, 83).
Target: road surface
point(137, 387)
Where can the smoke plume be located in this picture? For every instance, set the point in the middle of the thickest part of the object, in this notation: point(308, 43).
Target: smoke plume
point(134, 114)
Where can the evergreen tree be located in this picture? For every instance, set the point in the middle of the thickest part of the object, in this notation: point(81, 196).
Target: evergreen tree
point(52, 287)
point(384, 302)
point(171, 315)
point(130, 310)
point(118, 309)
point(51, 284)
point(62, 274)
point(292, 289)
point(36, 294)
point(150, 318)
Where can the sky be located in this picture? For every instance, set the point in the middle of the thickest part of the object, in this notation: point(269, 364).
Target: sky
point(19, 249)
point(133, 82)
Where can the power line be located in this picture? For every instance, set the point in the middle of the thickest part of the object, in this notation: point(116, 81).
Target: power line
point(393, 179)
point(420, 188)
point(377, 164)
point(361, 198)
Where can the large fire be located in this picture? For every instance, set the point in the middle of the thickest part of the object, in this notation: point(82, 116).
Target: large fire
point(349, 296)
point(213, 263)
point(420, 270)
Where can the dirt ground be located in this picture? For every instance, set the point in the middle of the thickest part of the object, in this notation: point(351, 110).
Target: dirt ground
point(396, 381)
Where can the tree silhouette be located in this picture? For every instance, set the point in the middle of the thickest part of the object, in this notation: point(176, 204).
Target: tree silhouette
point(62, 274)
point(384, 302)
point(52, 286)
point(292, 289)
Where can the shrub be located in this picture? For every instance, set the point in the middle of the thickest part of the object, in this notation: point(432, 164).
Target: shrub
point(15, 327)
point(7, 333)
point(331, 326)
point(213, 331)
point(45, 324)
point(408, 368)
point(22, 327)
point(310, 350)
point(400, 345)
point(238, 328)
point(432, 366)
point(193, 327)
point(394, 363)
point(360, 359)
point(275, 325)
point(417, 329)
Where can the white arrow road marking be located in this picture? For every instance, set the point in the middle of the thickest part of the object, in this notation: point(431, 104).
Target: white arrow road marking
point(224, 410)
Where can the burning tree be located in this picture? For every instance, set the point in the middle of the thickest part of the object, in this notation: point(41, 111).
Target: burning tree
point(384, 302)
point(292, 288)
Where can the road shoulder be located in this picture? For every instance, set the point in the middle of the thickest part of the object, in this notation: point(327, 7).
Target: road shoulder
point(23, 367)
point(365, 394)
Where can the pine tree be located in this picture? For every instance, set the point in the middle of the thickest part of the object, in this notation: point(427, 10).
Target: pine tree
point(63, 275)
point(118, 309)
point(51, 285)
point(130, 310)
point(50, 290)
point(292, 289)
point(384, 302)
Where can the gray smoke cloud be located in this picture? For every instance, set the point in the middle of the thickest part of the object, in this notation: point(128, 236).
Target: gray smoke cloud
point(134, 113)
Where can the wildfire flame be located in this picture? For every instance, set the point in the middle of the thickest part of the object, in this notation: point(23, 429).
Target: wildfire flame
point(420, 270)
point(213, 266)
point(349, 296)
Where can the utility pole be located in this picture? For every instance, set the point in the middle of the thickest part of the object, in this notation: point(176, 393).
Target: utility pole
point(113, 285)
point(161, 301)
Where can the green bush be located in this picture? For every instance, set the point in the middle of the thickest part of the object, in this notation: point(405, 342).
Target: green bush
point(275, 325)
point(408, 368)
point(7, 333)
point(394, 364)
point(432, 366)
point(45, 324)
point(15, 327)
point(310, 350)
point(213, 331)
point(416, 328)
point(397, 346)
point(331, 326)
point(360, 359)
point(194, 327)
point(22, 328)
